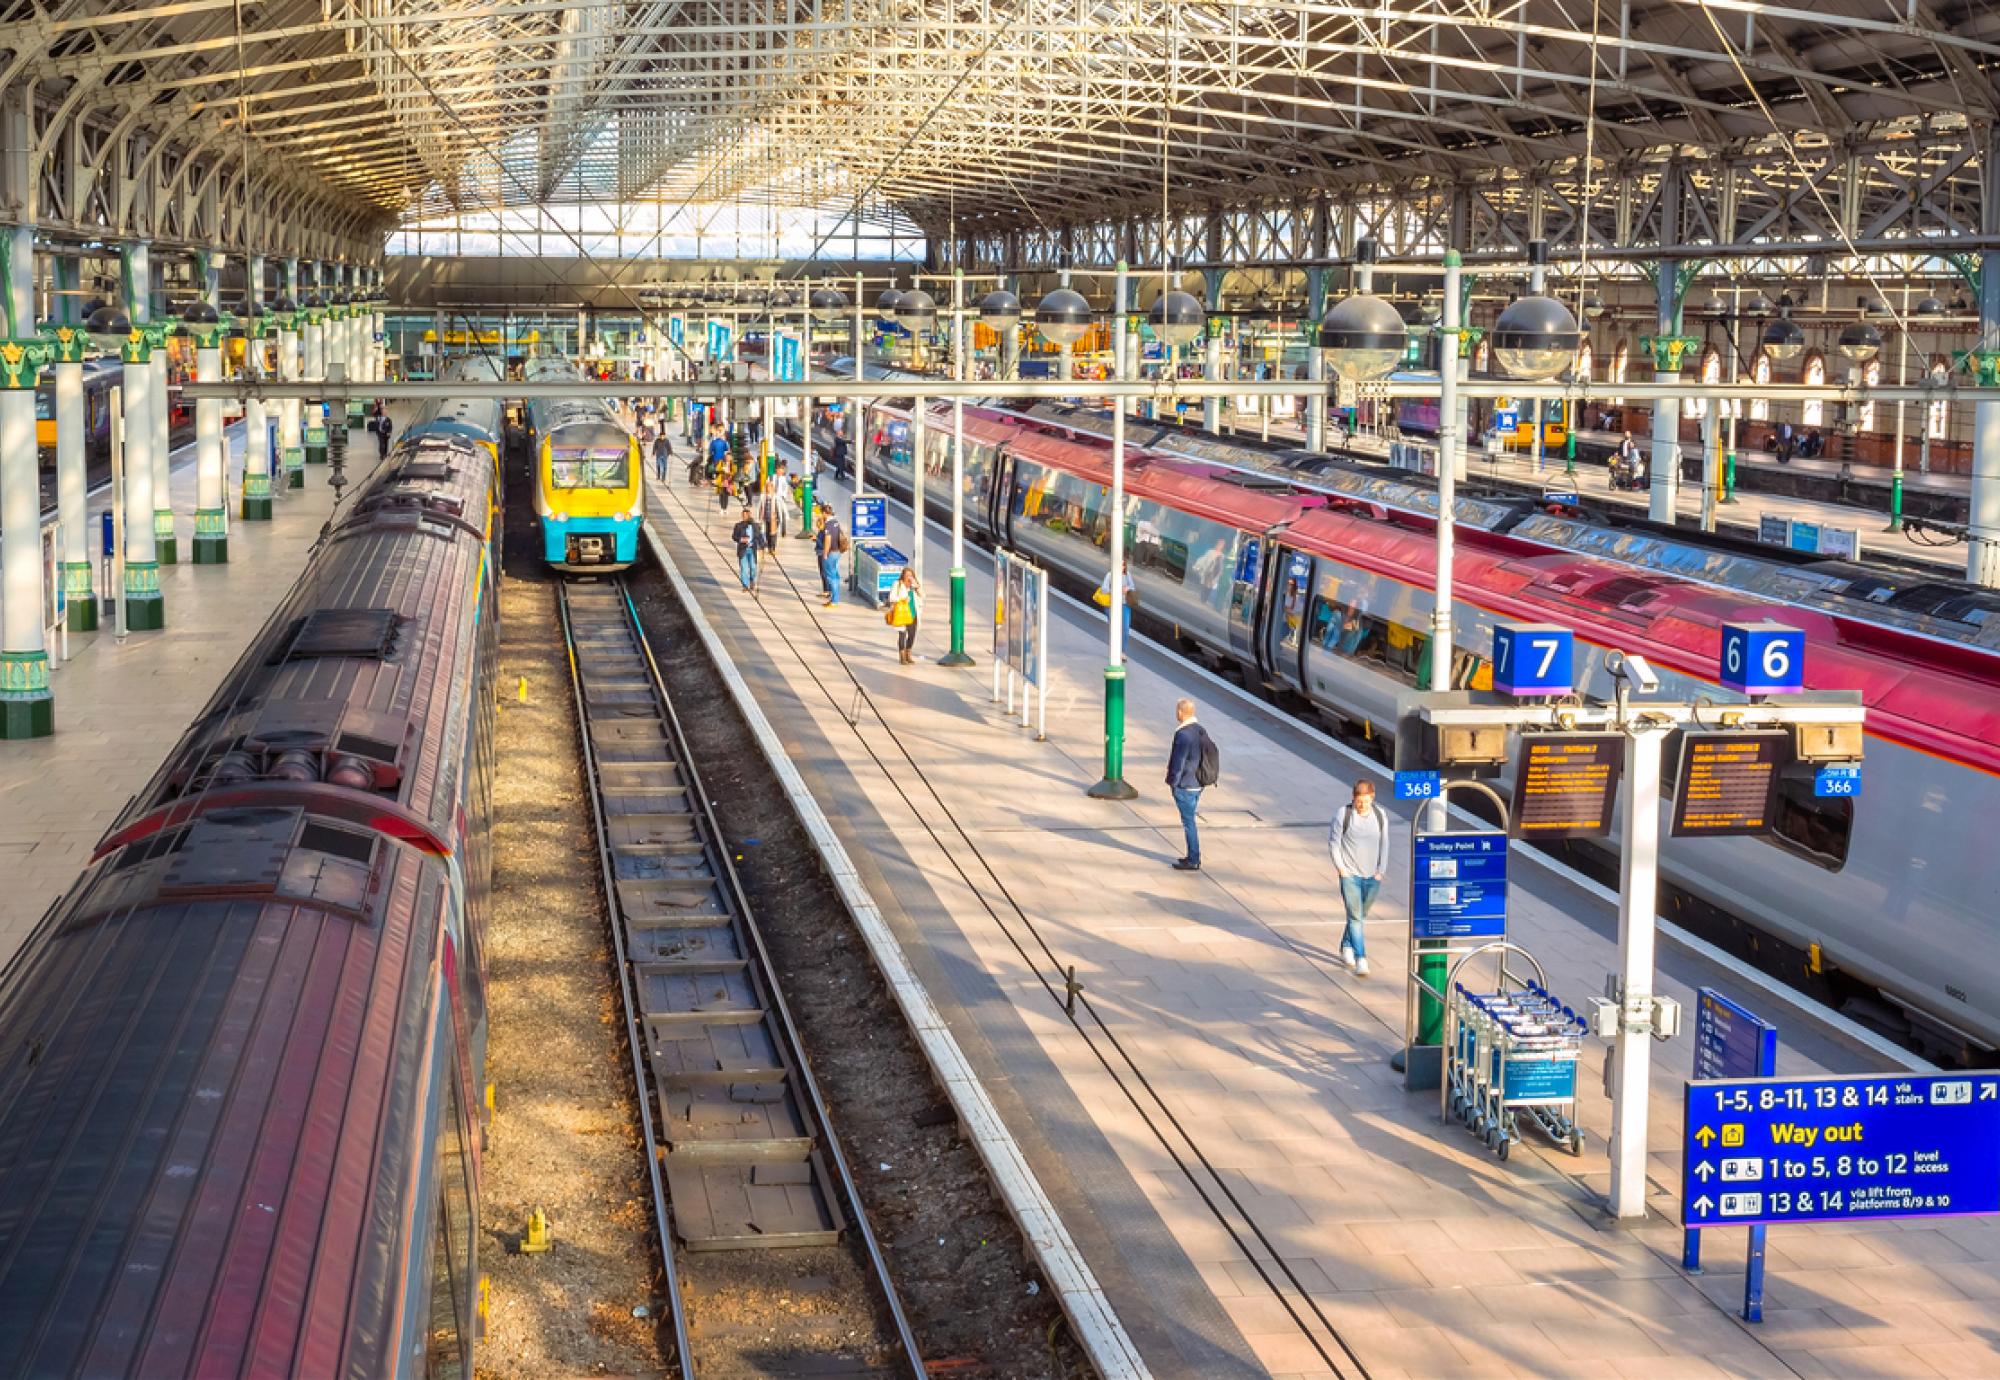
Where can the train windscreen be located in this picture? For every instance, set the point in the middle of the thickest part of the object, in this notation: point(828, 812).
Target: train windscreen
point(595, 467)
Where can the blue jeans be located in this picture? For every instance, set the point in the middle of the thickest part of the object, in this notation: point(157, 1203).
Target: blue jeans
point(1357, 894)
point(746, 565)
point(829, 575)
point(1185, 800)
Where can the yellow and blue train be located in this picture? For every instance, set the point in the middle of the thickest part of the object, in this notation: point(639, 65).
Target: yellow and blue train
point(587, 477)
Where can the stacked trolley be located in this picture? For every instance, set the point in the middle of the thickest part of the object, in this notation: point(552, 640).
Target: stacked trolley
point(1512, 1052)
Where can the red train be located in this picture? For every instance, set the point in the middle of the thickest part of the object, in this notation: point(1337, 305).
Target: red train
point(1316, 588)
point(242, 1060)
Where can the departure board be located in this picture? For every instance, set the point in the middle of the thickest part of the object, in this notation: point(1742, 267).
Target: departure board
point(1565, 783)
point(1728, 782)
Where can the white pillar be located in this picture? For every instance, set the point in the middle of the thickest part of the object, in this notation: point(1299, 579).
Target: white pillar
point(164, 539)
point(27, 709)
point(1663, 491)
point(144, 609)
point(1638, 904)
point(291, 439)
point(211, 537)
point(857, 410)
point(72, 496)
point(314, 424)
point(1982, 558)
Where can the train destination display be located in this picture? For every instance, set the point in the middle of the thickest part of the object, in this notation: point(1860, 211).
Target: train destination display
point(1727, 782)
point(1565, 784)
point(1831, 1149)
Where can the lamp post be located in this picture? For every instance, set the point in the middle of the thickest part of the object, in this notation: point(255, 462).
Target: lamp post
point(1062, 317)
point(825, 305)
point(1000, 312)
point(955, 654)
point(916, 312)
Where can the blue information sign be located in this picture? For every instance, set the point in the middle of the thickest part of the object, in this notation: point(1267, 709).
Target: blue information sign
point(1731, 1041)
point(1567, 498)
point(677, 329)
point(867, 519)
point(1839, 781)
point(1763, 658)
point(1834, 1149)
point(1533, 659)
point(1418, 785)
point(1507, 420)
point(1458, 885)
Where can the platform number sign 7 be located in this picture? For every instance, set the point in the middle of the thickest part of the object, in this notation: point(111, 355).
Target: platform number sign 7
point(1533, 659)
point(1763, 658)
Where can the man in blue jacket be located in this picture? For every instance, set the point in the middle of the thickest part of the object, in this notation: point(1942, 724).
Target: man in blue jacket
point(1190, 767)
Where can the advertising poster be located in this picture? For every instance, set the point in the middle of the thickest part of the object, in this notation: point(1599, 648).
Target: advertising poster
point(1016, 596)
point(1034, 593)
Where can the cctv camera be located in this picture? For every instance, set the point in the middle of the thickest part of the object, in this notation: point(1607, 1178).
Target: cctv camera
point(1643, 678)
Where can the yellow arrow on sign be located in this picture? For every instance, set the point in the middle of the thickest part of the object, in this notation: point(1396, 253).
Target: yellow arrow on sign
point(1706, 1135)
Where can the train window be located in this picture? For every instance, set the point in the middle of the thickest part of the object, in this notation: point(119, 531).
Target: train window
point(451, 1253)
point(1816, 829)
point(45, 406)
point(602, 470)
point(1154, 548)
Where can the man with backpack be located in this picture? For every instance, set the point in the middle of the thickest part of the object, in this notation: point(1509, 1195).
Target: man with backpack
point(1194, 765)
point(830, 543)
point(1358, 843)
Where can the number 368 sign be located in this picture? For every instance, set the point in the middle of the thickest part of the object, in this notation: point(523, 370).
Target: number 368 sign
point(1763, 658)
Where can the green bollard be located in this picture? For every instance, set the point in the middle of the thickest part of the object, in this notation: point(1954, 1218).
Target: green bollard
point(1113, 786)
point(957, 655)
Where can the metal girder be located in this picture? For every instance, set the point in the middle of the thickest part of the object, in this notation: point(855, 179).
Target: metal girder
point(1001, 122)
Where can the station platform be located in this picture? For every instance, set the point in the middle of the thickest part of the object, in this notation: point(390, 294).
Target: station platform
point(120, 706)
point(1249, 1180)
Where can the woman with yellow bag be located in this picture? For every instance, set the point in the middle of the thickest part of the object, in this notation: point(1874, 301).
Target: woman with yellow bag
point(906, 602)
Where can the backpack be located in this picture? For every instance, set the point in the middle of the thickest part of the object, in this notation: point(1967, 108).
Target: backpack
point(842, 543)
point(1208, 766)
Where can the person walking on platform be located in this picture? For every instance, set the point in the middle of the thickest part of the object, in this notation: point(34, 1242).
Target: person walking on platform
point(830, 543)
point(906, 606)
point(771, 517)
point(663, 454)
point(1358, 843)
point(383, 428)
point(1194, 764)
point(747, 539)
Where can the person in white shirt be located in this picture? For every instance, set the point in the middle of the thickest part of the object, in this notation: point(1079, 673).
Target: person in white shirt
point(1358, 843)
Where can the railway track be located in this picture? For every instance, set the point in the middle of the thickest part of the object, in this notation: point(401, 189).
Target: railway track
point(771, 1265)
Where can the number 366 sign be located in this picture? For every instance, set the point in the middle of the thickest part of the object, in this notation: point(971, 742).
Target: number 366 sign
point(1763, 658)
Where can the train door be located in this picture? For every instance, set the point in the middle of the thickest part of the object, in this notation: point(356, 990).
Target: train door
point(1246, 583)
point(999, 505)
point(1283, 625)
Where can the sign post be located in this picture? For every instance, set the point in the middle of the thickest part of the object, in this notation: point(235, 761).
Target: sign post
point(1458, 902)
point(1732, 755)
point(1731, 1041)
point(1760, 1151)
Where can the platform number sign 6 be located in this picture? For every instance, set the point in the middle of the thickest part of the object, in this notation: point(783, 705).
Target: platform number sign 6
point(1763, 658)
point(1533, 659)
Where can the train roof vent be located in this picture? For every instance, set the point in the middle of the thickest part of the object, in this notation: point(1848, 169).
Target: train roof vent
point(1955, 602)
point(344, 632)
point(435, 471)
point(1626, 591)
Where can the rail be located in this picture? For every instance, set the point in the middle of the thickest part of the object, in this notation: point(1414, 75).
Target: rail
point(741, 1153)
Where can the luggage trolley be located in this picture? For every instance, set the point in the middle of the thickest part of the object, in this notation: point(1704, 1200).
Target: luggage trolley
point(1509, 1052)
